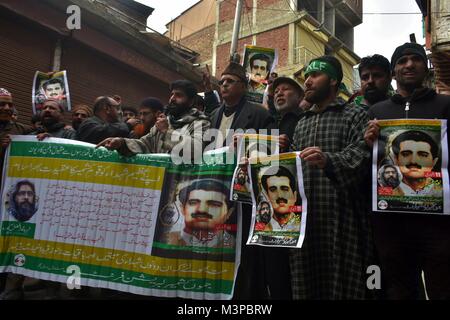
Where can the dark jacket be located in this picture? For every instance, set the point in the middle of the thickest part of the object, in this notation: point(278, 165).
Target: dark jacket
point(95, 130)
point(58, 130)
point(424, 103)
point(248, 115)
point(287, 123)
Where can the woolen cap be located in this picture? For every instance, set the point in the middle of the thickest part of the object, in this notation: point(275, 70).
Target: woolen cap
point(408, 48)
point(237, 70)
point(288, 80)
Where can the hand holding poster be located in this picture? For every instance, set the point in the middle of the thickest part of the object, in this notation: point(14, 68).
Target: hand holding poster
point(410, 167)
point(139, 224)
point(52, 85)
point(279, 202)
point(258, 62)
point(251, 147)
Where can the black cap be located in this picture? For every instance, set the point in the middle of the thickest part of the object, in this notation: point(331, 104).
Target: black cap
point(408, 48)
point(291, 81)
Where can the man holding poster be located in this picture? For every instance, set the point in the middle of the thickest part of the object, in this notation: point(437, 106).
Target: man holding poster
point(335, 159)
point(409, 243)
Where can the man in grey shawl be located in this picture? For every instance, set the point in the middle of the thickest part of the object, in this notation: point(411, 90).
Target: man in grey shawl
point(181, 123)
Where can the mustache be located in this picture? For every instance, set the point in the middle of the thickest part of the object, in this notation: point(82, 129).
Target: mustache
point(279, 200)
point(201, 215)
point(413, 165)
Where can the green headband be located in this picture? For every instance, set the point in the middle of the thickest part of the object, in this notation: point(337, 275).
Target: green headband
point(321, 66)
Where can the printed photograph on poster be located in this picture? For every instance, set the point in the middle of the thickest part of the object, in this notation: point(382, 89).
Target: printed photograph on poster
point(251, 147)
point(259, 63)
point(74, 202)
point(22, 201)
point(410, 167)
point(51, 85)
point(196, 216)
point(279, 203)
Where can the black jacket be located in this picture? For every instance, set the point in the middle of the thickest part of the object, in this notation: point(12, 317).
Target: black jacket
point(424, 103)
point(95, 130)
point(288, 122)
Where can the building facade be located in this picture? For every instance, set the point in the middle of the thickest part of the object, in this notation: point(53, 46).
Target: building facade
point(112, 53)
point(299, 30)
point(437, 36)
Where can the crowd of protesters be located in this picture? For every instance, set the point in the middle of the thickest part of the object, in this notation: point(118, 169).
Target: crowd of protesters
point(335, 139)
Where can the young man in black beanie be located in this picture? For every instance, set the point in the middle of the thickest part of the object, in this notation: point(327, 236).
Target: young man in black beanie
point(408, 243)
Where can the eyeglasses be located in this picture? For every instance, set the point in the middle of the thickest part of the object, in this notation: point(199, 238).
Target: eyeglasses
point(230, 81)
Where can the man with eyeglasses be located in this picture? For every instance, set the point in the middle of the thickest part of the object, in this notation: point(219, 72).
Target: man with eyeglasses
point(148, 112)
point(236, 112)
point(104, 124)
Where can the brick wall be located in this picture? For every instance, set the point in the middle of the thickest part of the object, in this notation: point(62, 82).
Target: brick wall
point(201, 42)
point(278, 39)
point(223, 54)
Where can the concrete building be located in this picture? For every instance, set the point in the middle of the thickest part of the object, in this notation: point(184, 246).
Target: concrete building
point(299, 30)
point(437, 36)
point(112, 53)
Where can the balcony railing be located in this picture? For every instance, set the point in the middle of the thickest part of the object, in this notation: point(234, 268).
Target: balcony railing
point(303, 55)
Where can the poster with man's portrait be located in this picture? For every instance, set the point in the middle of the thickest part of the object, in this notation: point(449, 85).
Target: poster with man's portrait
point(259, 62)
point(279, 202)
point(196, 219)
point(22, 201)
point(251, 147)
point(51, 85)
point(410, 161)
point(19, 208)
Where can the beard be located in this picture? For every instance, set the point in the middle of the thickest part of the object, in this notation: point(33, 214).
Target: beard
point(374, 95)
point(241, 180)
point(176, 109)
point(76, 124)
point(391, 182)
point(319, 94)
point(48, 122)
point(25, 211)
point(5, 115)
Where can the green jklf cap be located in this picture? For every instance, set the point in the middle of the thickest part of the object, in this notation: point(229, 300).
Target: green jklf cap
point(321, 66)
